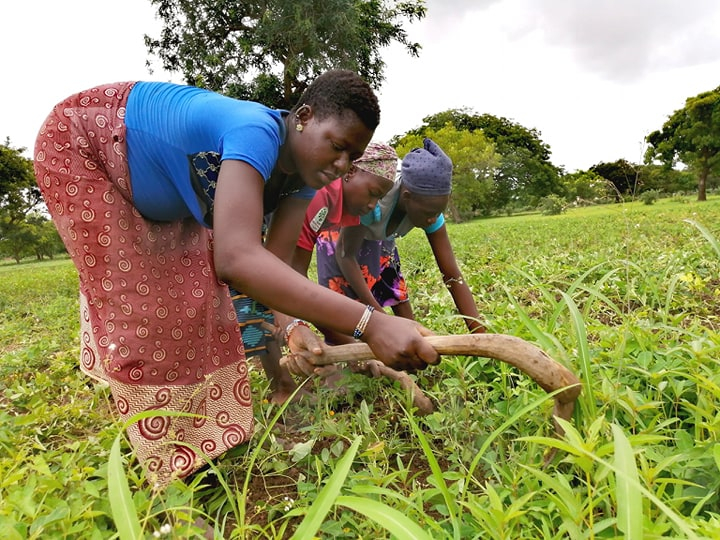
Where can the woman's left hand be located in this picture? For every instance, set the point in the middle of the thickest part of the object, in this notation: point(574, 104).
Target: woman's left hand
point(305, 346)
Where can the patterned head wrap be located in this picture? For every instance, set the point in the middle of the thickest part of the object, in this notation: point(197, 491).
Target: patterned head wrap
point(427, 170)
point(379, 159)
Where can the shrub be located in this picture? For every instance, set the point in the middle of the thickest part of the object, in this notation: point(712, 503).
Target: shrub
point(650, 196)
point(552, 205)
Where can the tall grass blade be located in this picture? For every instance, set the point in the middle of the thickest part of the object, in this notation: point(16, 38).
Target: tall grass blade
point(394, 521)
point(121, 502)
point(706, 233)
point(546, 341)
point(327, 496)
point(449, 499)
point(594, 291)
point(669, 296)
point(564, 497)
point(122, 506)
point(588, 396)
point(512, 420)
point(680, 523)
point(629, 498)
point(254, 456)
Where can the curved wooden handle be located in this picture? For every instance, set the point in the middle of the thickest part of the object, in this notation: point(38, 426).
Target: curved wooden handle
point(545, 371)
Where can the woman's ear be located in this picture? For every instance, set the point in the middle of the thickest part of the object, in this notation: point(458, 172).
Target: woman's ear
point(351, 172)
point(404, 199)
point(303, 114)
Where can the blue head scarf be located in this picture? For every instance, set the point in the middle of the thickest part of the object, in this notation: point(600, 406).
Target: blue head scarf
point(427, 170)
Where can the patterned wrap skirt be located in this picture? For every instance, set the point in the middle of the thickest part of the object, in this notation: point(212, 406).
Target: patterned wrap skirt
point(378, 260)
point(156, 323)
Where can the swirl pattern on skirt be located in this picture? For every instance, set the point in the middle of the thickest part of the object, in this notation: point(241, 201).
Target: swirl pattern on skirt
point(156, 324)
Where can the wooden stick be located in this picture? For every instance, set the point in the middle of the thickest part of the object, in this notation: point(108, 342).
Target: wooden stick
point(423, 403)
point(528, 358)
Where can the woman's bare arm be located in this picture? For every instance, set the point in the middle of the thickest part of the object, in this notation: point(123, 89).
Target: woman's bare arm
point(346, 251)
point(285, 225)
point(242, 261)
point(453, 278)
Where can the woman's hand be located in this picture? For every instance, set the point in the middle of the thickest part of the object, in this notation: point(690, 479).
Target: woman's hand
point(305, 345)
point(399, 343)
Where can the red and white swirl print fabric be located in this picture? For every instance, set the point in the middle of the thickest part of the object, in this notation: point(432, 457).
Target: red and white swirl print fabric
point(156, 324)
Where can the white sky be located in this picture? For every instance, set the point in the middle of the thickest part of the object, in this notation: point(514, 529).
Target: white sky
point(594, 77)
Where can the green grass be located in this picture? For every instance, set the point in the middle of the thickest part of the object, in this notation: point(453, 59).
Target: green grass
point(627, 296)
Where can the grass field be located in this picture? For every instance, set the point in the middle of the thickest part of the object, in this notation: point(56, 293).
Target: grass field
point(626, 296)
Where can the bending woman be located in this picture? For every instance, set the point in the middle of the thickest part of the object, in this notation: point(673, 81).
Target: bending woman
point(157, 192)
point(366, 263)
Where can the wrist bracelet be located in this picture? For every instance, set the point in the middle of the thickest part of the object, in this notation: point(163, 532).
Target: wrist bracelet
point(363, 322)
point(294, 324)
point(449, 282)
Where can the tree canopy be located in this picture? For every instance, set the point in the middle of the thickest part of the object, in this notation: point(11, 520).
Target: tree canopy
point(621, 173)
point(23, 230)
point(523, 173)
point(268, 51)
point(691, 136)
point(19, 193)
point(474, 163)
point(587, 187)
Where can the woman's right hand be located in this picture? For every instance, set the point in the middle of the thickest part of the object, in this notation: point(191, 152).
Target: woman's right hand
point(399, 343)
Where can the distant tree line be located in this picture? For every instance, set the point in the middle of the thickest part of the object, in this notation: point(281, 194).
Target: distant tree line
point(269, 51)
point(502, 167)
point(25, 231)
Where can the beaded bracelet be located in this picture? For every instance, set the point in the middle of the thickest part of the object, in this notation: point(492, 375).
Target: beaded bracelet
point(449, 282)
point(363, 322)
point(294, 324)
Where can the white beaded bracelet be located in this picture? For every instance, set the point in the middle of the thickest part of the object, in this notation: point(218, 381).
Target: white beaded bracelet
point(363, 322)
point(294, 324)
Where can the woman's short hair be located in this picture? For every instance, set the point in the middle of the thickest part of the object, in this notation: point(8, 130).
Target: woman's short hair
point(339, 90)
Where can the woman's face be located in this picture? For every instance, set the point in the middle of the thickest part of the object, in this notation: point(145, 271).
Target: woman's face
point(423, 210)
point(362, 191)
point(325, 149)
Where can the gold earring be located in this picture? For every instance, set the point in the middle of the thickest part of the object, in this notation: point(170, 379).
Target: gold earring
point(298, 127)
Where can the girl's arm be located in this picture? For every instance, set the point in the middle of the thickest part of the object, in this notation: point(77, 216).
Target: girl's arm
point(242, 261)
point(301, 263)
point(285, 225)
point(346, 250)
point(301, 260)
point(281, 239)
point(453, 279)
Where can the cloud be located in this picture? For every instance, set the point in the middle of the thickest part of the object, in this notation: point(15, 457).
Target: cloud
point(623, 40)
point(619, 40)
point(443, 11)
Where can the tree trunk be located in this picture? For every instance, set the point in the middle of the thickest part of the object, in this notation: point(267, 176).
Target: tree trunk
point(455, 213)
point(702, 182)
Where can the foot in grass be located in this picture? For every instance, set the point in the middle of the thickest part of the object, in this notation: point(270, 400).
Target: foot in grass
point(282, 391)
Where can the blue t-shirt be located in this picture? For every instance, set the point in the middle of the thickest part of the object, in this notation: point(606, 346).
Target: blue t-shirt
point(177, 136)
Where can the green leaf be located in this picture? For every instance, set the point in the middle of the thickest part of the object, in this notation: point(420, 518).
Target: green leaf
point(706, 233)
point(716, 455)
point(327, 496)
point(436, 470)
point(121, 503)
point(301, 450)
point(394, 521)
point(588, 396)
point(629, 498)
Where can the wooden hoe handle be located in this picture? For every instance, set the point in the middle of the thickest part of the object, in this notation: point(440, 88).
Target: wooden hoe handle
point(545, 371)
